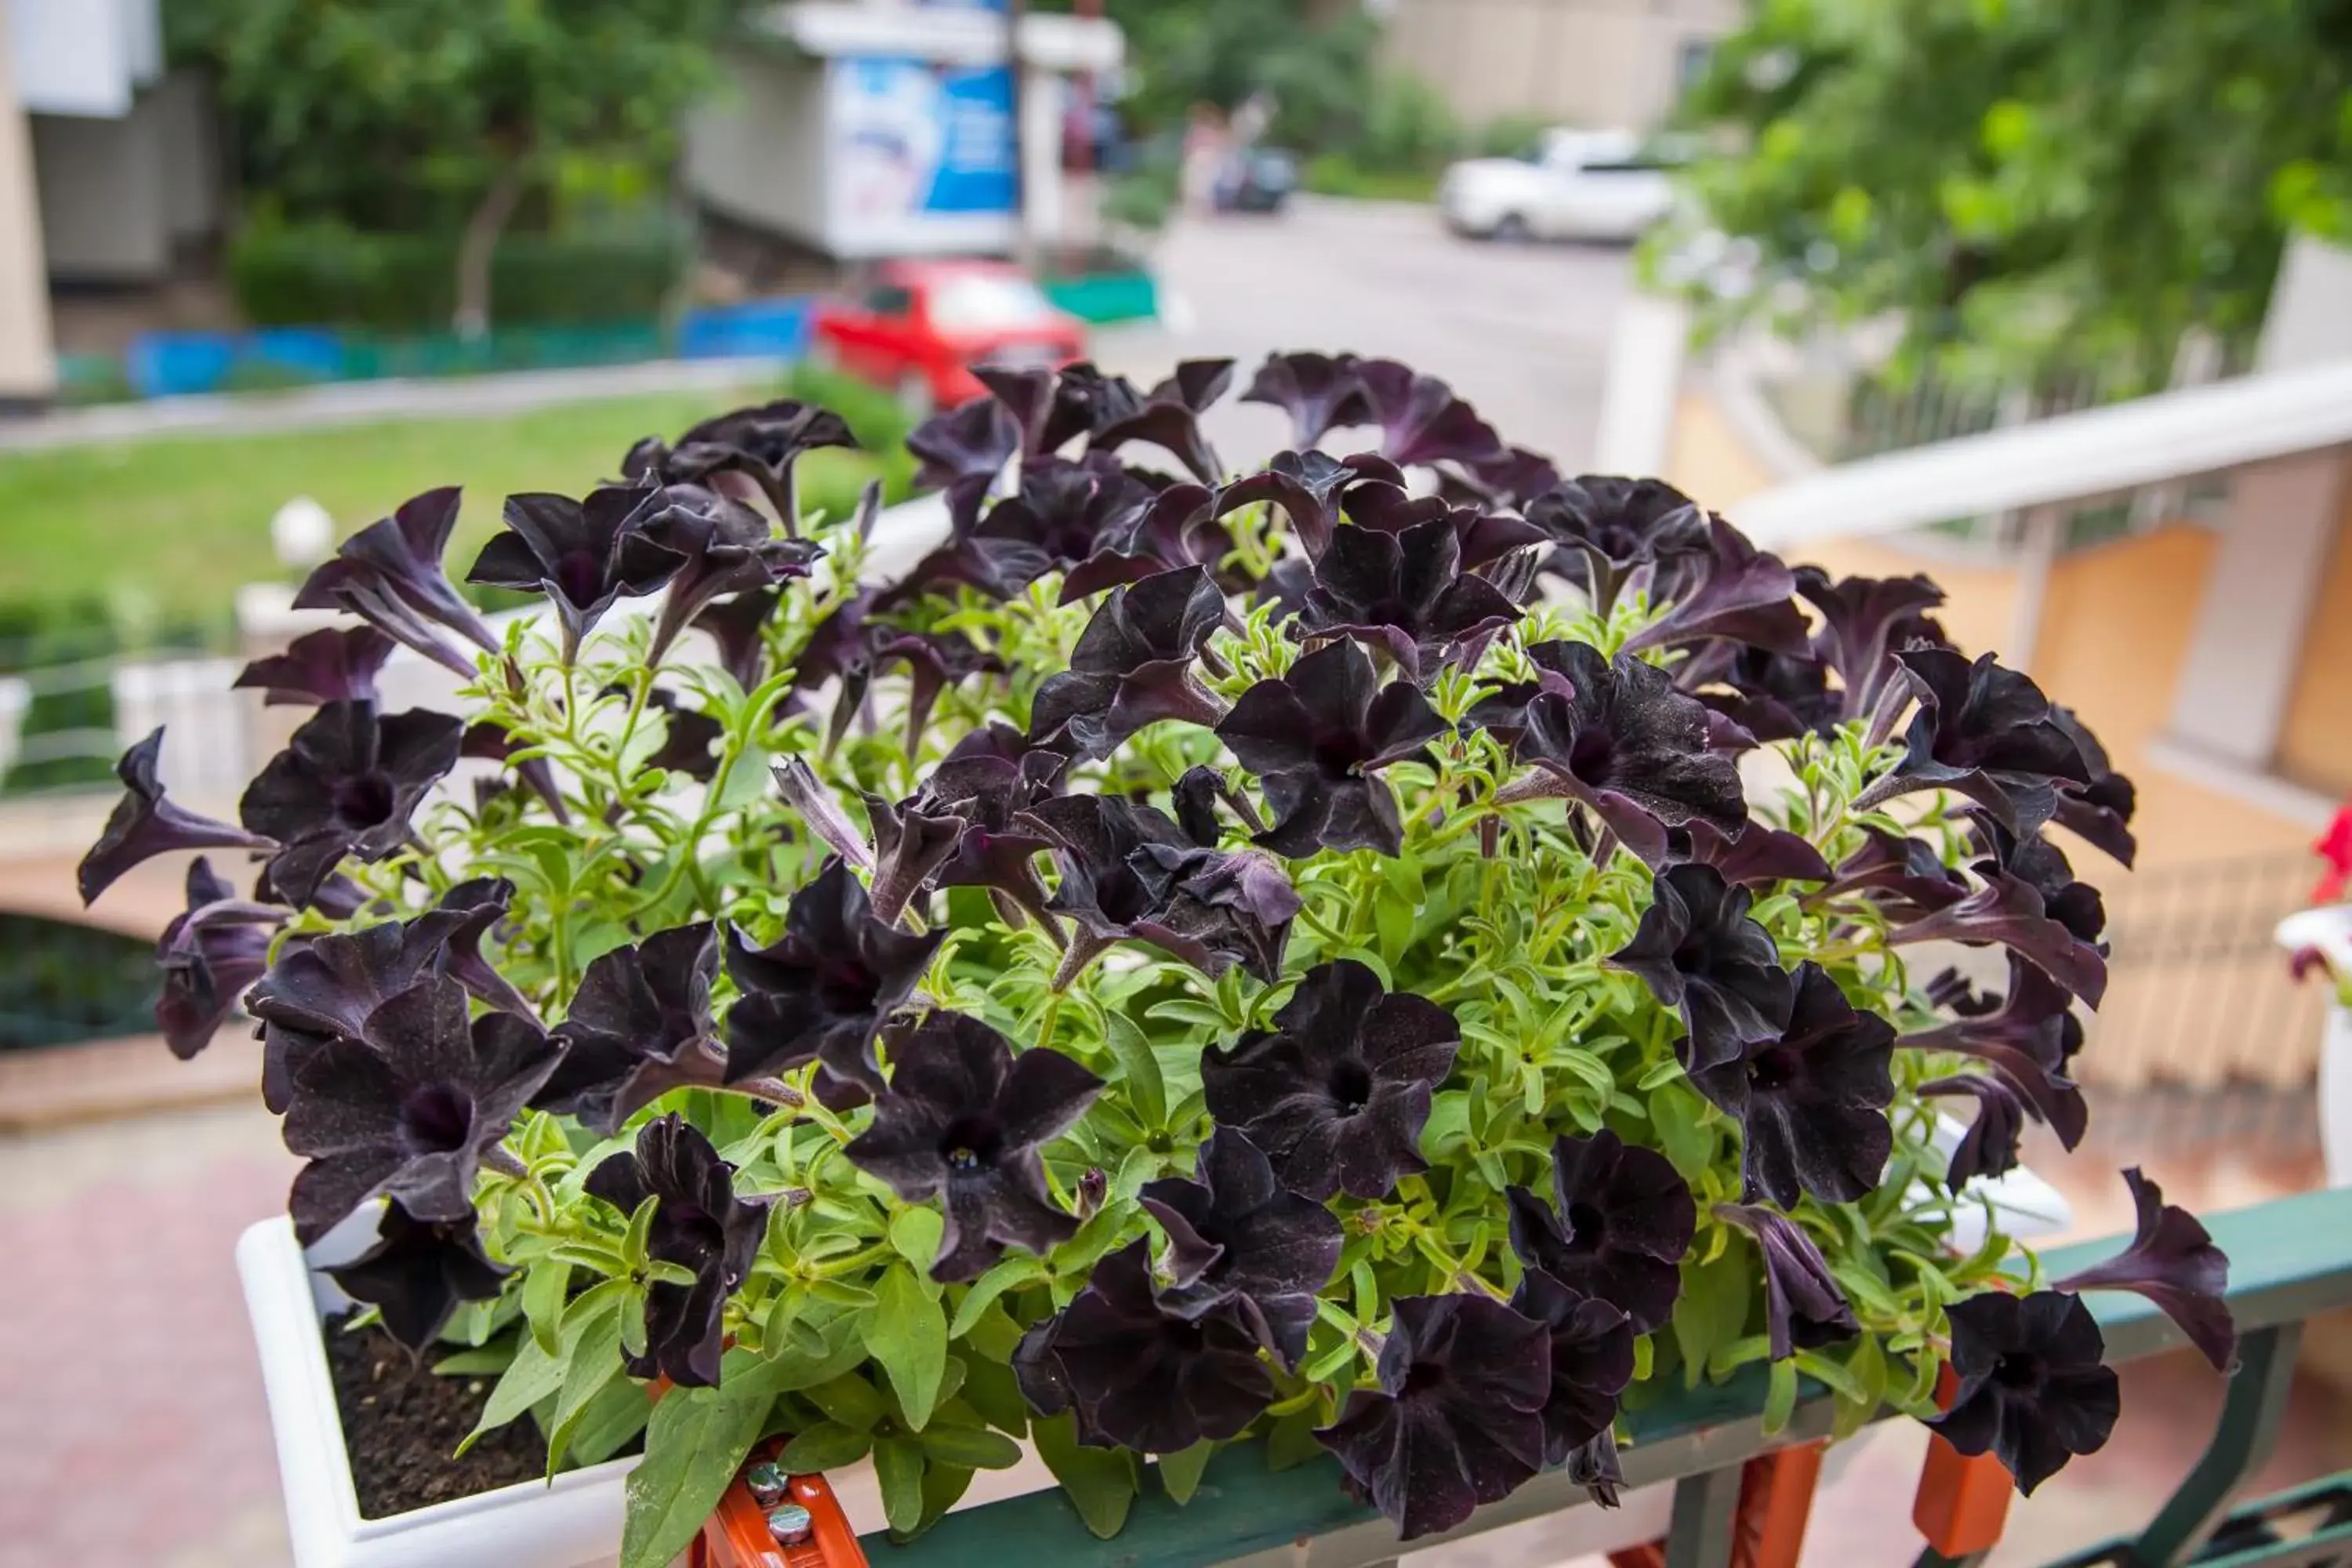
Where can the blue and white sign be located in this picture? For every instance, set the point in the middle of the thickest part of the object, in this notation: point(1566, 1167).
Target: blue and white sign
point(915, 145)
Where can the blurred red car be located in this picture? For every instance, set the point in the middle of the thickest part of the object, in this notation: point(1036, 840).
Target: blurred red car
point(921, 326)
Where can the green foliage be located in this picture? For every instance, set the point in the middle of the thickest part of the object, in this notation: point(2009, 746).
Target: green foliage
point(2032, 184)
point(1337, 175)
point(63, 984)
point(328, 273)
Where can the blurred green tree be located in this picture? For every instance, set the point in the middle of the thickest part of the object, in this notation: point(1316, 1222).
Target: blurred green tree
point(2030, 184)
point(447, 114)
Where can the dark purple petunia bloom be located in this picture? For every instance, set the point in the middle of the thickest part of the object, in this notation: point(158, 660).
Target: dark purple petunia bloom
point(1133, 666)
point(1985, 733)
point(690, 739)
point(1989, 1146)
point(2008, 912)
point(638, 1026)
point(1773, 696)
point(2027, 1037)
point(145, 824)
point(209, 954)
point(1063, 513)
point(1591, 1361)
point(339, 664)
point(1496, 544)
point(1616, 736)
point(405, 1109)
point(1803, 1308)
point(989, 781)
point(416, 1273)
point(1170, 418)
point(2031, 1389)
point(1458, 1416)
point(961, 451)
point(1405, 593)
point(390, 574)
point(759, 448)
point(1865, 622)
point(1316, 738)
point(1179, 527)
point(1698, 951)
point(1902, 875)
point(1236, 908)
point(822, 992)
point(1143, 1376)
point(700, 1225)
point(1194, 799)
point(1733, 593)
point(2100, 812)
point(1421, 419)
point(1240, 1241)
point(912, 841)
point(935, 661)
point(1318, 392)
point(1623, 1221)
point(736, 625)
point(821, 813)
point(1514, 476)
point(1813, 1104)
point(962, 1120)
point(2041, 865)
point(1759, 856)
point(1338, 1092)
point(346, 784)
point(583, 554)
point(2173, 1262)
point(726, 546)
point(1618, 526)
point(1310, 488)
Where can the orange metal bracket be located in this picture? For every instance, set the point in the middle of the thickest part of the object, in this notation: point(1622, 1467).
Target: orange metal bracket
point(1776, 1498)
point(1962, 1502)
point(738, 1535)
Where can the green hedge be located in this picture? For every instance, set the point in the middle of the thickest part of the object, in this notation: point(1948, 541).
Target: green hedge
point(327, 275)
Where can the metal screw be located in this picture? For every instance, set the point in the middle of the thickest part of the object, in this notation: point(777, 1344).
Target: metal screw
point(791, 1524)
point(767, 1483)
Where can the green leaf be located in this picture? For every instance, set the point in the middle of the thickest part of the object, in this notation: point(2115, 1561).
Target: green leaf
point(915, 1233)
point(695, 1444)
point(641, 1225)
point(618, 1413)
point(1011, 1271)
point(1179, 1473)
point(990, 1388)
point(487, 1361)
point(544, 1290)
point(898, 1466)
point(1711, 1311)
point(850, 1400)
point(591, 1360)
point(1780, 1397)
point(973, 1448)
point(907, 1333)
point(1100, 1481)
point(1678, 1114)
point(826, 1446)
point(1139, 1067)
point(943, 1487)
point(841, 1293)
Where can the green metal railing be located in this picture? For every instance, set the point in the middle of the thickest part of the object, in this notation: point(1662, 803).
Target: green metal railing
point(2289, 1260)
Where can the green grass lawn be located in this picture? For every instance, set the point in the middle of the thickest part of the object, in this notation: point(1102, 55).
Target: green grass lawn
point(164, 531)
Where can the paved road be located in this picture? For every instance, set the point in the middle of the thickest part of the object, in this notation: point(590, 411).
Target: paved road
point(1521, 331)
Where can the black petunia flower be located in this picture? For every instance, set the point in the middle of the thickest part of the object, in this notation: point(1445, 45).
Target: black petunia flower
point(1623, 1222)
point(762, 445)
point(583, 554)
point(638, 1026)
point(1514, 476)
point(690, 739)
point(700, 1225)
point(1989, 1146)
point(1133, 666)
point(961, 1120)
point(2173, 1262)
point(390, 574)
point(2029, 1037)
point(1063, 513)
point(405, 1109)
point(1759, 856)
point(1803, 1308)
point(726, 546)
point(346, 784)
point(1616, 736)
point(2041, 865)
point(1421, 418)
point(2031, 1389)
point(1170, 418)
point(1902, 875)
point(912, 841)
point(1985, 733)
point(215, 948)
point(1178, 528)
point(987, 781)
point(1310, 489)
point(2008, 912)
point(145, 822)
point(1618, 526)
point(1773, 696)
point(339, 664)
point(1591, 1361)
point(1318, 392)
point(962, 450)
point(2099, 812)
point(1240, 1241)
point(1235, 908)
point(1145, 1377)
point(1865, 622)
point(1338, 1093)
point(1732, 593)
point(736, 626)
point(1407, 593)
point(1813, 1104)
point(1458, 1418)
point(1697, 950)
point(417, 1271)
point(823, 990)
point(1316, 738)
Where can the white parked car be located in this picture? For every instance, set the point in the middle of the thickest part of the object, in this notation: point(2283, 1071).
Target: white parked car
point(1575, 185)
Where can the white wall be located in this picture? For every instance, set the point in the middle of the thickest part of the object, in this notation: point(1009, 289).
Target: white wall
point(1584, 62)
point(29, 369)
point(84, 56)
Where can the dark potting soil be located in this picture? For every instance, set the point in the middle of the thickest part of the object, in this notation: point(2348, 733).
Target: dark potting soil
point(402, 1421)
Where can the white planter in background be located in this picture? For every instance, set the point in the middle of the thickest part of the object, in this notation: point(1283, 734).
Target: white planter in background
point(2329, 932)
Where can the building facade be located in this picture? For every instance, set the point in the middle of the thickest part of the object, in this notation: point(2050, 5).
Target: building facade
point(1577, 62)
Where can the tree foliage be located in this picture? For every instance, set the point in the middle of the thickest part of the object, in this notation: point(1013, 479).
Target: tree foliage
point(2030, 183)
